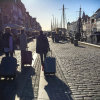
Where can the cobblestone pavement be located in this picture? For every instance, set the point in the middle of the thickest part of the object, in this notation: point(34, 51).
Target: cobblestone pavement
point(81, 69)
point(77, 67)
point(25, 86)
point(57, 87)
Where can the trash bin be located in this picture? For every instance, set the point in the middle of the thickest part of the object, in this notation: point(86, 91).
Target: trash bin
point(75, 42)
point(72, 40)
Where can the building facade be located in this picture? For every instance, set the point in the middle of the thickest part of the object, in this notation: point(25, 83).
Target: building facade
point(89, 24)
point(14, 12)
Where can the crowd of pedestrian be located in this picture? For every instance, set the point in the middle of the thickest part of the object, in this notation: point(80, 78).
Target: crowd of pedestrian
point(8, 41)
point(7, 44)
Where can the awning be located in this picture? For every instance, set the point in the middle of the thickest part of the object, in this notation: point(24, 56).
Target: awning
point(15, 26)
point(29, 29)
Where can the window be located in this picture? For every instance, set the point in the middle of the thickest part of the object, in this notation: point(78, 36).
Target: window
point(0, 10)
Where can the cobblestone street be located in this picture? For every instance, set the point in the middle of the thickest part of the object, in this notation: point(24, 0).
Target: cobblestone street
point(49, 49)
point(81, 69)
point(77, 75)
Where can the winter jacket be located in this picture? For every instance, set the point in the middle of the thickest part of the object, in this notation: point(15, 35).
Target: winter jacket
point(42, 44)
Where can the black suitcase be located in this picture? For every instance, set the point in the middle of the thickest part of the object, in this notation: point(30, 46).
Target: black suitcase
point(50, 65)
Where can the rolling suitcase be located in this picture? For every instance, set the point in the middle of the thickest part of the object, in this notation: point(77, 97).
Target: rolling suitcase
point(8, 67)
point(50, 65)
point(26, 57)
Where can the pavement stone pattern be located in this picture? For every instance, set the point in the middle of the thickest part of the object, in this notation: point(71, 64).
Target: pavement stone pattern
point(77, 76)
point(53, 87)
point(80, 67)
point(57, 89)
point(26, 84)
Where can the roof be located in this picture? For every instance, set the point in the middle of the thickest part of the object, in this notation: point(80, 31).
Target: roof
point(96, 15)
point(98, 10)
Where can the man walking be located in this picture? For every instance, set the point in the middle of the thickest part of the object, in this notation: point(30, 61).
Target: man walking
point(42, 47)
point(23, 40)
point(23, 44)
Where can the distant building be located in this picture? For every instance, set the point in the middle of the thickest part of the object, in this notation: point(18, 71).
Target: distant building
point(92, 24)
point(72, 27)
point(98, 24)
point(14, 12)
point(89, 24)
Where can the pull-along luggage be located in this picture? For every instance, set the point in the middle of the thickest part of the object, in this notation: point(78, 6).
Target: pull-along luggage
point(50, 65)
point(8, 67)
point(26, 57)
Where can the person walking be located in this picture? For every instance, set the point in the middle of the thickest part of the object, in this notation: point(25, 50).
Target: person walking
point(23, 41)
point(42, 47)
point(8, 44)
point(23, 44)
point(1, 48)
point(53, 36)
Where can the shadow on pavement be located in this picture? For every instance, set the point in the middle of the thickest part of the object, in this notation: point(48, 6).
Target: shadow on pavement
point(57, 89)
point(1, 54)
point(8, 67)
point(63, 42)
point(7, 89)
point(19, 89)
point(81, 46)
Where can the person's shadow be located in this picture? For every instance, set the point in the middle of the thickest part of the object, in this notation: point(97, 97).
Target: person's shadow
point(7, 74)
point(20, 88)
point(81, 46)
point(57, 89)
point(25, 90)
point(8, 67)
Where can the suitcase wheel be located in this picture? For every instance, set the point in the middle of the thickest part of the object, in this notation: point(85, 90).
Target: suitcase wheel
point(8, 77)
point(49, 73)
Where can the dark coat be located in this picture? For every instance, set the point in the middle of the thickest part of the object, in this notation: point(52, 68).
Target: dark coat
point(6, 40)
point(23, 41)
point(42, 44)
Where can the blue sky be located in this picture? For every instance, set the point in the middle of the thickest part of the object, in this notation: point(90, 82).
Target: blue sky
point(44, 10)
